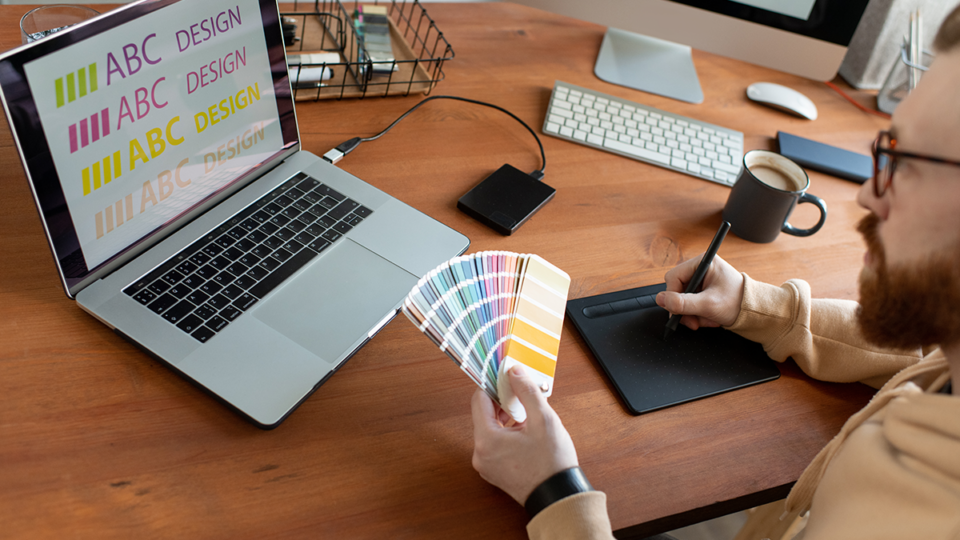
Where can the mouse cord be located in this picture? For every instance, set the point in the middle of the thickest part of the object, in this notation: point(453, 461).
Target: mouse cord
point(348, 146)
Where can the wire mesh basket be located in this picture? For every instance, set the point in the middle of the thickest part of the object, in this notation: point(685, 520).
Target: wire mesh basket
point(328, 60)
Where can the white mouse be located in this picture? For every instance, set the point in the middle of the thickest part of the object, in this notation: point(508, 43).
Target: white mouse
point(783, 98)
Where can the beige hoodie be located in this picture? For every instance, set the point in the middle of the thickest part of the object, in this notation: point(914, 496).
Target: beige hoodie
point(892, 472)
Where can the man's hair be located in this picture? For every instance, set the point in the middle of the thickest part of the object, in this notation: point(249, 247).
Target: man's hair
point(948, 36)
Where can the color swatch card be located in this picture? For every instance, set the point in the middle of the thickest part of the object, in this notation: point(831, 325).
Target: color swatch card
point(490, 311)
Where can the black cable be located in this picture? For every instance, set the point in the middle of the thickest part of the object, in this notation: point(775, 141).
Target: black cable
point(347, 146)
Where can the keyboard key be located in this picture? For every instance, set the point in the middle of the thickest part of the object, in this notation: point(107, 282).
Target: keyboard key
point(179, 311)
point(186, 267)
point(206, 272)
point(249, 259)
point(178, 291)
point(279, 220)
point(269, 228)
point(230, 313)
point(212, 250)
point(293, 246)
point(302, 205)
point(198, 297)
point(281, 255)
point(639, 152)
point(199, 259)
point(304, 237)
point(211, 287)
point(284, 234)
point(317, 210)
point(342, 228)
point(217, 323)
point(290, 212)
point(219, 263)
point(218, 301)
point(231, 291)
point(203, 334)
point(245, 245)
point(172, 277)
point(272, 208)
point(295, 226)
point(260, 251)
point(162, 303)
point(224, 278)
point(314, 230)
point(244, 282)
point(324, 189)
point(225, 241)
point(328, 203)
point(237, 269)
point(158, 287)
point(245, 301)
point(145, 296)
point(237, 232)
point(318, 245)
point(331, 235)
point(327, 221)
point(257, 273)
point(256, 236)
point(204, 312)
point(189, 323)
point(273, 242)
point(283, 201)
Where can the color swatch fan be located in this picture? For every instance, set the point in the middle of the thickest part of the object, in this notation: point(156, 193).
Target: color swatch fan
point(491, 310)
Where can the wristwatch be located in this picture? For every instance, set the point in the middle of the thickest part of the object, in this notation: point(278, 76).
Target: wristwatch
point(559, 486)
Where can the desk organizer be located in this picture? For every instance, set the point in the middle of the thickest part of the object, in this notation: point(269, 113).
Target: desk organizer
point(419, 49)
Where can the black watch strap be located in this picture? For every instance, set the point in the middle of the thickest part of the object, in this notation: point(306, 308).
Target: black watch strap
point(559, 486)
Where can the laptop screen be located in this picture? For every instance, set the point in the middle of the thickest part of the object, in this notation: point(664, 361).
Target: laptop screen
point(133, 119)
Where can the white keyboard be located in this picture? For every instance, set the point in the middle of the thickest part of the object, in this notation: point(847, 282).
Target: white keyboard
point(643, 133)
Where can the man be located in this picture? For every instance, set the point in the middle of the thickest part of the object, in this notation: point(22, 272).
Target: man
point(894, 469)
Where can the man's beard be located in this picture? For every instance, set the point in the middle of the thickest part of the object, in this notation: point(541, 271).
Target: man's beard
point(908, 306)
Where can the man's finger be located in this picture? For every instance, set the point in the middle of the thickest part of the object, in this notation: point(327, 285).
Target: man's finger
point(482, 408)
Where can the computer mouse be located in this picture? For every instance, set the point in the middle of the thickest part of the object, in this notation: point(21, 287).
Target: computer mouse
point(782, 98)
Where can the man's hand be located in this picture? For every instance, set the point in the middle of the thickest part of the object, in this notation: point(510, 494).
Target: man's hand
point(519, 458)
point(717, 304)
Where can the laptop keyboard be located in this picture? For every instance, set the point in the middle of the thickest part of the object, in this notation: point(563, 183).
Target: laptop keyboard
point(210, 283)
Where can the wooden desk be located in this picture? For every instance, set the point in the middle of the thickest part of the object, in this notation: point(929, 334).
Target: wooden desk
point(98, 440)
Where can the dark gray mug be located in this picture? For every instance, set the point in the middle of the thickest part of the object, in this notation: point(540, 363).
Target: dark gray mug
point(766, 192)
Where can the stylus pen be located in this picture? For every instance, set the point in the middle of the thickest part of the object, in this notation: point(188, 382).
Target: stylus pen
point(698, 276)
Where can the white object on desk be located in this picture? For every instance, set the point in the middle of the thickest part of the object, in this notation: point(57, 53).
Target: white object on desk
point(782, 98)
point(643, 133)
point(311, 68)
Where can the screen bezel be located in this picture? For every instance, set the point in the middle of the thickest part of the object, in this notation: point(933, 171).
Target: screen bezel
point(830, 21)
point(31, 141)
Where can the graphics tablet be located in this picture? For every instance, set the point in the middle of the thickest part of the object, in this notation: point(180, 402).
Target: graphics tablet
point(624, 330)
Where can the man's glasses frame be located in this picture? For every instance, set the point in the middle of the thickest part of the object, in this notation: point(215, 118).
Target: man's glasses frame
point(883, 169)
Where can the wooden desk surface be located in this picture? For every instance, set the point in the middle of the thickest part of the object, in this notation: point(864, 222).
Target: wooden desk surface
point(98, 440)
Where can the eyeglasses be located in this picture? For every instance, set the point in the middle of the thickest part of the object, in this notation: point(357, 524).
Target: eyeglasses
point(886, 157)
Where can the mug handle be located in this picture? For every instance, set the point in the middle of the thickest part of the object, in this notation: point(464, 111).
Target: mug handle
point(808, 198)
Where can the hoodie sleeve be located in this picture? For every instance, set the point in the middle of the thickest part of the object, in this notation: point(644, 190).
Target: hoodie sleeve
point(822, 336)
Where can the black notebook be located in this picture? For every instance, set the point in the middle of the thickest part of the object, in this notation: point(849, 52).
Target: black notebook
point(624, 330)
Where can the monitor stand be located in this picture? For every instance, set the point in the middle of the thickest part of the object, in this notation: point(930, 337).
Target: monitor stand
point(649, 64)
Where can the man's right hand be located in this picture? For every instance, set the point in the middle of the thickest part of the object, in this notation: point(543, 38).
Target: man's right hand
point(718, 302)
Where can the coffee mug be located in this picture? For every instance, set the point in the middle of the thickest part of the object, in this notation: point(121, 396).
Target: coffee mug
point(767, 190)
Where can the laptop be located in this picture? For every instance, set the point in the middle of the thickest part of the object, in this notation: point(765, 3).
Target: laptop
point(161, 144)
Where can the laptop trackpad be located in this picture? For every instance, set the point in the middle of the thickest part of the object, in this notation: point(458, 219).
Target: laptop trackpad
point(336, 300)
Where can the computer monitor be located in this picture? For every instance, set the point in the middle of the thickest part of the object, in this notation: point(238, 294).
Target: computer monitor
point(647, 45)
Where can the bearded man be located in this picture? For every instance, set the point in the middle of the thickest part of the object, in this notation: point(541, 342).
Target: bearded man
point(893, 471)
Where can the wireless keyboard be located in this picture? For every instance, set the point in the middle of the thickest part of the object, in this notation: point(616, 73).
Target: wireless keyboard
point(643, 133)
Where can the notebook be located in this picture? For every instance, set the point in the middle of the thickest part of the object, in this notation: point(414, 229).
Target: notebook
point(624, 330)
point(161, 144)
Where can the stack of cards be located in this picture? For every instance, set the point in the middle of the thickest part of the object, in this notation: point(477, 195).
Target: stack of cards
point(491, 310)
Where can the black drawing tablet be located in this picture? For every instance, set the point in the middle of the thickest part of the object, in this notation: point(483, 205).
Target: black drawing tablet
point(624, 330)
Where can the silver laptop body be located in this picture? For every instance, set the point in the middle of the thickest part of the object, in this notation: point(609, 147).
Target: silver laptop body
point(172, 75)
